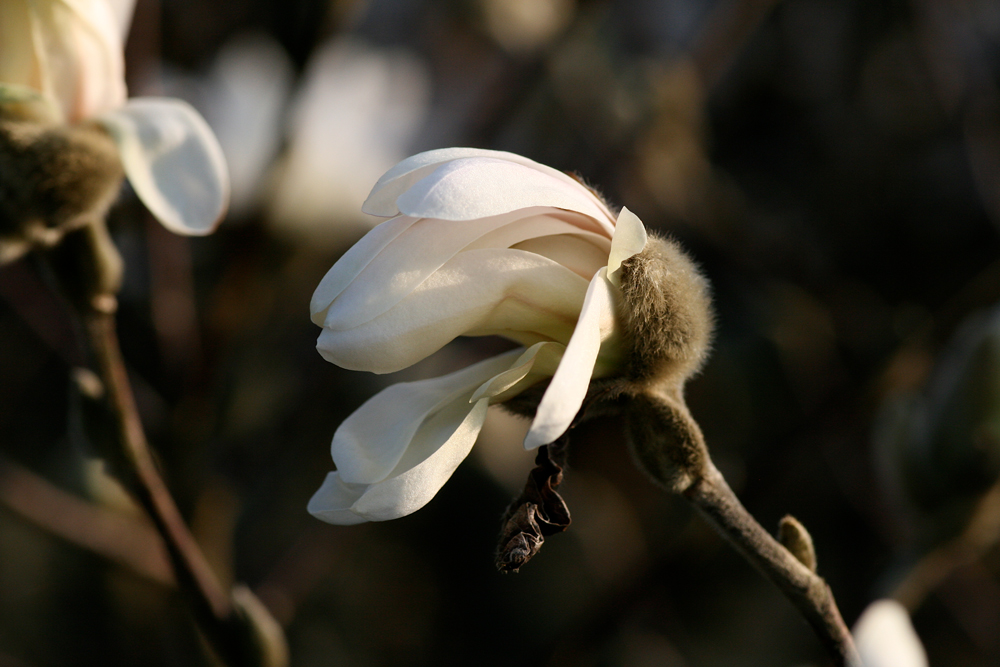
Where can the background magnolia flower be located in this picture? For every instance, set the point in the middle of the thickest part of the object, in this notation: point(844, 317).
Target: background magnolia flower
point(478, 243)
point(885, 637)
point(62, 62)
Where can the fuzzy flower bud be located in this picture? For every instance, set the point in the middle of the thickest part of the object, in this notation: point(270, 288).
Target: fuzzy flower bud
point(489, 243)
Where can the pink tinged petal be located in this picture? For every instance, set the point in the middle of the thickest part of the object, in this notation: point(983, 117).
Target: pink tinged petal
point(483, 187)
point(173, 162)
point(392, 268)
point(565, 394)
point(371, 443)
point(399, 179)
point(629, 240)
point(885, 637)
point(476, 293)
point(536, 363)
point(352, 263)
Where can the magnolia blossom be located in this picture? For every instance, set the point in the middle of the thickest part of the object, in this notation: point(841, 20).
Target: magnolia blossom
point(885, 637)
point(63, 60)
point(477, 243)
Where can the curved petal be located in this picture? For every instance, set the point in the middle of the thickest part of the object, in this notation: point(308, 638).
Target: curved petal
point(476, 293)
point(400, 266)
point(173, 162)
point(332, 502)
point(482, 187)
point(396, 181)
point(565, 394)
point(370, 443)
point(353, 262)
point(885, 637)
point(70, 51)
point(536, 363)
point(629, 239)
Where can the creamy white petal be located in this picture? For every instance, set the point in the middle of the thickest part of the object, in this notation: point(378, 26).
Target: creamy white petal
point(885, 637)
point(629, 240)
point(27, 102)
point(371, 443)
point(396, 181)
point(482, 187)
point(536, 363)
point(577, 254)
point(353, 262)
point(332, 502)
point(425, 246)
point(565, 394)
point(479, 292)
point(70, 51)
point(428, 464)
point(173, 162)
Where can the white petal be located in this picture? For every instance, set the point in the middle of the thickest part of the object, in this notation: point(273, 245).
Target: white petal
point(430, 463)
point(482, 187)
point(565, 394)
point(396, 181)
point(173, 162)
point(479, 292)
point(885, 637)
point(352, 263)
point(425, 246)
point(71, 51)
point(123, 10)
point(370, 443)
point(629, 240)
point(333, 500)
point(536, 363)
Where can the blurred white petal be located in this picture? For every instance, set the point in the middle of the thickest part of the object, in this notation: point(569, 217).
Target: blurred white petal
point(70, 51)
point(885, 637)
point(244, 103)
point(173, 162)
point(358, 110)
point(516, 294)
point(565, 394)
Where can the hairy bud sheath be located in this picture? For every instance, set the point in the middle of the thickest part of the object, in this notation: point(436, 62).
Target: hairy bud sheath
point(55, 179)
point(667, 319)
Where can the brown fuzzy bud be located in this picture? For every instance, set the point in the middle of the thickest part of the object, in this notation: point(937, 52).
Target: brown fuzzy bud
point(55, 178)
point(666, 315)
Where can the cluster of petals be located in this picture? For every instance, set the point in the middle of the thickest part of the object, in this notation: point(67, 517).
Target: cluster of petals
point(476, 243)
point(63, 59)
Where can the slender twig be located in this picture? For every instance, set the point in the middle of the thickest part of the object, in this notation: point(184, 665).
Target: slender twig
point(128, 540)
point(980, 535)
point(807, 591)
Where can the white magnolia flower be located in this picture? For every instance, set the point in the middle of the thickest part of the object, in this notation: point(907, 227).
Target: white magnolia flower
point(885, 637)
point(477, 243)
point(63, 59)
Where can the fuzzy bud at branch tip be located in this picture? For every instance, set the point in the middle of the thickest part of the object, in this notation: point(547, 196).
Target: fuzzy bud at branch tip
point(667, 320)
point(794, 537)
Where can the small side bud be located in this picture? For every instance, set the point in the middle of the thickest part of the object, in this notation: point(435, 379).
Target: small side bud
point(268, 647)
point(665, 440)
point(794, 537)
point(666, 314)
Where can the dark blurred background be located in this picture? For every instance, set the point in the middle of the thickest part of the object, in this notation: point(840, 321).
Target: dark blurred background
point(834, 166)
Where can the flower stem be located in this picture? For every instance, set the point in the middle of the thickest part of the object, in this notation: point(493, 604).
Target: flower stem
point(807, 591)
point(237, 626)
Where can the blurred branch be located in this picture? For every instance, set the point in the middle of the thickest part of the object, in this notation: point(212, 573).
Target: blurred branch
point(128, 541)
point(979, 536)
point(726, 31)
